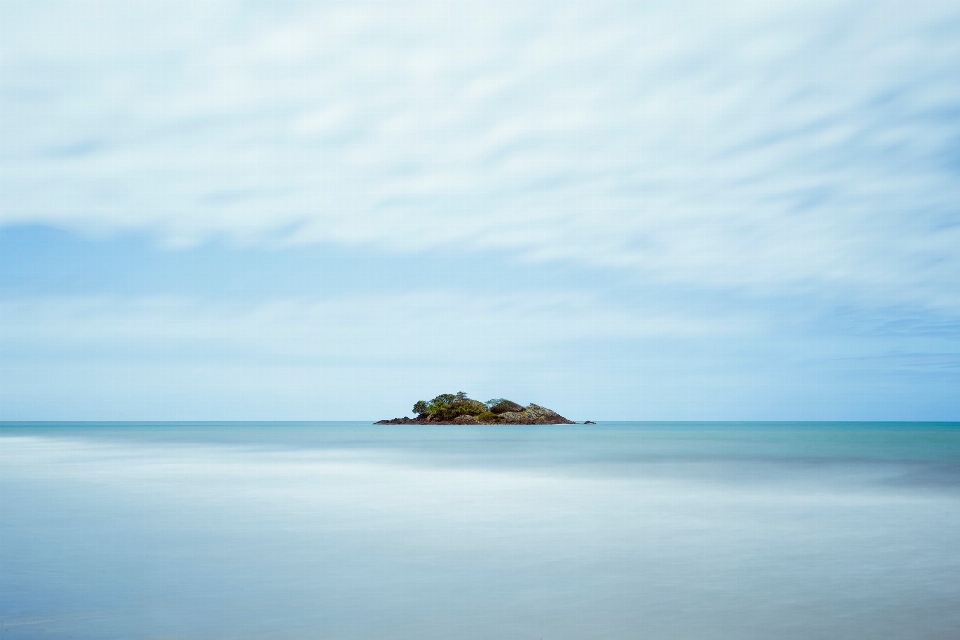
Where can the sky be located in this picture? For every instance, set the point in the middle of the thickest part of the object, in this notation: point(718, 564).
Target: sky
point(622, 211)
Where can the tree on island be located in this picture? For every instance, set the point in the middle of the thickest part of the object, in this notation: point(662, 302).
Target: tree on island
point(459, 408)
point(442, 402)
point(450, 406)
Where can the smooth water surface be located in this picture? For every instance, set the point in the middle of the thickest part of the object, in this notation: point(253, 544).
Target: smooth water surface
point(348, 531)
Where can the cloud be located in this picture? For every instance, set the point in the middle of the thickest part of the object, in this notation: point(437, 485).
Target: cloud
point(764, 146)
point(343, 357)
point(418, 328)
point(370, 356)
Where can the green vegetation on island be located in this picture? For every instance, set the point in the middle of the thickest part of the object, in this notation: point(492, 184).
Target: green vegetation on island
point(458, 408)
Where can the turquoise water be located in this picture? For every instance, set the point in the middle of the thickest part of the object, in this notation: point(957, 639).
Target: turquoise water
point(347, 531)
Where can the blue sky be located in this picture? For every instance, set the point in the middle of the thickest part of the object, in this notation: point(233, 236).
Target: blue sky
point(640, 210)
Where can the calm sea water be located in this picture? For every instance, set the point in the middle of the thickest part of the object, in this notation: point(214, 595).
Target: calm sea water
point(347, 531)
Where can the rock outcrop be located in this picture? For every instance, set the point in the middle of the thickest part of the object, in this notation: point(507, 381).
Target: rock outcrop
point(460, 410)
point(533, 414)
point(506, 406)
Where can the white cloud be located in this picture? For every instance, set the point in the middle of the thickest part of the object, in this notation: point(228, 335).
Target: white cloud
point(370, 356)
point(759, 145)
point(419, 328)
point(350, 357)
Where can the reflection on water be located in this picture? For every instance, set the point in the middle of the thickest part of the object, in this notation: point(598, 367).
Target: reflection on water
point(341, 530)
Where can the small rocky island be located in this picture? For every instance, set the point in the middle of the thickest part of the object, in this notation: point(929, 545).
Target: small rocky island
point(457, 408)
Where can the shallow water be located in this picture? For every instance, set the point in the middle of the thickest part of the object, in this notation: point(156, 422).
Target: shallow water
point(347, 530)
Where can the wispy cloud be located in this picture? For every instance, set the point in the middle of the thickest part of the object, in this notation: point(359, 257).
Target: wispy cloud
point(364, 356)
point(421, 328)
point(344, 357)
point(758, 145)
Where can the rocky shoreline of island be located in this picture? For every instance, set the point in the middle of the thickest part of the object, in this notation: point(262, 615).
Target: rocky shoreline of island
point(459, 409)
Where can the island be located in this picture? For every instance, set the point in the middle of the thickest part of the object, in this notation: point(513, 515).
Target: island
point(457, 408)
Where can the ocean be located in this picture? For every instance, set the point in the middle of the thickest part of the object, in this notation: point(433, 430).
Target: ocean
point(338, 530)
